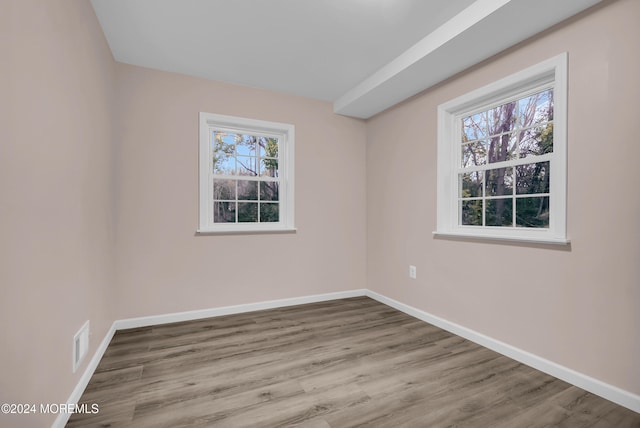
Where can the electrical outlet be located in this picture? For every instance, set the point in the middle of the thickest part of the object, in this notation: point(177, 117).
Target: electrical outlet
point(412, 272)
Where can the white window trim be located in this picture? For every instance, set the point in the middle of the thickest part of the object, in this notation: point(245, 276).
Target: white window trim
point(286, 136)
point(552, 72)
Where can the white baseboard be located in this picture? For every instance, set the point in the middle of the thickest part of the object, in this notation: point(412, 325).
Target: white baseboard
point(609, 392)
point(229, 310)
point(595, 386)
point(73, 399)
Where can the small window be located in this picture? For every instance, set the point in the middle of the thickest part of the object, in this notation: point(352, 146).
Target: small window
point(502, 158)
point(246, 175)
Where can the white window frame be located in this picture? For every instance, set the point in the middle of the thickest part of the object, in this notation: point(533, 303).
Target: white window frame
point(551, 73)
point(285, 133)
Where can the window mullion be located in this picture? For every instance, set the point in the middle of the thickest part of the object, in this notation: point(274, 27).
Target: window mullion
point(258, 199)
point(513, 191)
point(484, 198)
point(508, 163)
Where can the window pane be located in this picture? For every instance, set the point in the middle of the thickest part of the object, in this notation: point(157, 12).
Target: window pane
point(499, 212)
point(537, 108)
point(499, 182)
point(223, 164)
point(474, 154)
point(474, 127)
point(536, 141)
point(224, 189)
point(268, 147)
point(223, 146)
point(269, 212)
point(532, 178)
point(247, 212)
point(502, 148)
point(224, 212)
point(247, 166)
point(247, 190)
point(471, 213)
point(269, 167)
point(502, 118)
point(269, 191)
point(470, 184)
point(246, 144)
point(532, 212)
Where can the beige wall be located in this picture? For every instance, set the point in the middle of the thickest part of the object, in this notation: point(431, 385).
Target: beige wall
point(57, 199)
point(577, 307)
point(163, 267)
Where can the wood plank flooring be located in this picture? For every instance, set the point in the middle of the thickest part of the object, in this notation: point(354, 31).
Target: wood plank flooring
point(343, 363)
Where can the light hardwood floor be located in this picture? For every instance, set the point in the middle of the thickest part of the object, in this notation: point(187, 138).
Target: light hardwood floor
point(343, 363)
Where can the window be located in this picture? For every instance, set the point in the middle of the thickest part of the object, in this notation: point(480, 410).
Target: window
point(502, 158)
point(246, 175)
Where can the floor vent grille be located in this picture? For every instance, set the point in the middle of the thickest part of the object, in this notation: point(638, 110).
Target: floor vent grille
point(80, 345)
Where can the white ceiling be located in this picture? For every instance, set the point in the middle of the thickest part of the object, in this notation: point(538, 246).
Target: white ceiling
point(362, 55)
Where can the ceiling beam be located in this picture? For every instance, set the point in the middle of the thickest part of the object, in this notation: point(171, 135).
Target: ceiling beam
point(480, 31)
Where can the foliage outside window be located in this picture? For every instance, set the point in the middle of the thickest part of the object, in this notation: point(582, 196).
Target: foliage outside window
point(246, 175)
point(502, 158)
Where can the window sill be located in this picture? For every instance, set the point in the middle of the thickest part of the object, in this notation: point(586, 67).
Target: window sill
point(244, 231)
point(516, 239)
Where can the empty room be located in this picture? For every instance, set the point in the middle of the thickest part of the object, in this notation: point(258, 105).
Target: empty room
point(329, 213)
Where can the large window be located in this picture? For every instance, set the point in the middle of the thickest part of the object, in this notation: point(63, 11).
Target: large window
point(502, 158)
point(246, 175)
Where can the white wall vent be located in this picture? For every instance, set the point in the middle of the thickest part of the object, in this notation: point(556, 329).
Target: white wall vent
point(80, 345)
